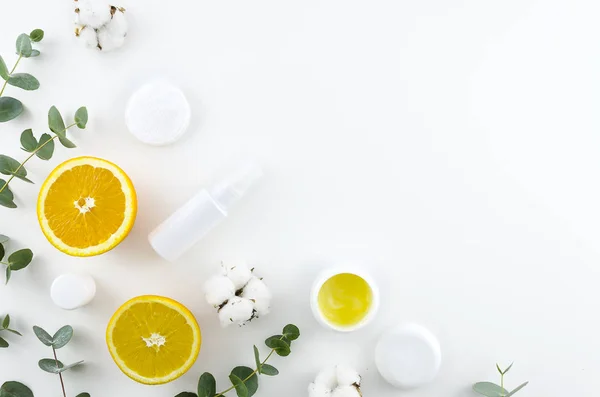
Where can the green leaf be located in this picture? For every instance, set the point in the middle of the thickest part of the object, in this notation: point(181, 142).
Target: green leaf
point(62, 337)
point(517, 389)
point(46, 150)
point(36, 35)
point(2, 252)
point(12, 331)
point(42, 335)
point(257, 359)
point(10, 166)
point(207, 385)
point(20, 259)
point(269, 370)
point(240, 387)
point(3, 343)
point(8, 274)
point(15, 389)
point(6, 195)
point(28, 141)
point(291, 332)
point(83, 395)
point(249, 378)
point(186, 394)
point(51, 365)
point(56, 122)
point(66, 142)
point(34, 53)
point(489, 389)
point(281, 347)
point(6, 322)
point(81, 117)
point(24, 45)
point(507, 369)
point(66, 367)
point(10, 108)
point(3, 69)
point(24, 81)
point(3, 239)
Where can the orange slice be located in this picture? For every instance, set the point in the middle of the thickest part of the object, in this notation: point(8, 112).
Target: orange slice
point(153, 339)
point(86, 206)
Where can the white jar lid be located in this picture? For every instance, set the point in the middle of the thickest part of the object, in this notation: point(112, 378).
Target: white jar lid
point(158, 114)
point(408, 356)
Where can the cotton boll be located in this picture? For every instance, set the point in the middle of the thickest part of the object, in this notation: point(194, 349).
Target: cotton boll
point(112, 35)
point(347, 376)
point(218, 290)
point(236, 311)
point(239, 273)
point(257, 291)
point(88, 36)
point(92, 13)
point(346, 391)
point(317, 390)
point(327, 378)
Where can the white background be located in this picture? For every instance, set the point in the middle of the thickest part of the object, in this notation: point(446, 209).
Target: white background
point(449, 146)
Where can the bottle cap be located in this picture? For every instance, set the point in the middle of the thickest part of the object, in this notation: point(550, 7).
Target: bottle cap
point(187, 225)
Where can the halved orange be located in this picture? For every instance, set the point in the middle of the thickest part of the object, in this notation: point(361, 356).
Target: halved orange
point(153, 339)
point(86, 206)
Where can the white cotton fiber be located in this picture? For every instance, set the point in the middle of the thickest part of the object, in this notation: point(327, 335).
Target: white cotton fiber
point(239, 273)
point(158, 114)
point(236, 311)
point(92, 13)
point(218, 290)
point(346, 391)
point(257, 291)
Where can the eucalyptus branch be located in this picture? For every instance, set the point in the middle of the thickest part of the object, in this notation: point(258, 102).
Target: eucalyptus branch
point(18, 260)
point(42, 148)
point(53, 365)
point(4, 324)
point(11, 108)
point(244, 379)
point(490, 389)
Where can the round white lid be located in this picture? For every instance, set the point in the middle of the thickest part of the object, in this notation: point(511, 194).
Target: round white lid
point(158, 113)
point(408, 356)
point(71, 291)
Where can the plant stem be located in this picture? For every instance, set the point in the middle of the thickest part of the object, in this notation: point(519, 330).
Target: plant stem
point(502, 381)
point(11, 72)
point(31, 155)
point(251, 375)
point(62, 384)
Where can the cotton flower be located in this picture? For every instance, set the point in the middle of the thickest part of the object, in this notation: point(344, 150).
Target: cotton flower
point(100, 25)
point(338, 381)
point(238, 295)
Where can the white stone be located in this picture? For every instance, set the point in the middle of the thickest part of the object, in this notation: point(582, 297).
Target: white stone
point(158, 114)
point(71, 291)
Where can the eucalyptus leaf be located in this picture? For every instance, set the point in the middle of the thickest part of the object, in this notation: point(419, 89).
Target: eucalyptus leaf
point(34, 53)
point(66, 367)
point(24, 81)
point(186, 394)
point(20, 259)
point(507, 369)
point(15, 389)
point(280, 346)
point(12, 331)
point(240, 387)
point(83, 395)
point(6, 195)
point(24, 45)
point(81, 117)
point(28, 141)
point(489, 389)
point(42, 335)
point(3, 343)
point(8, 274)
point(517, 389)
point(62, 337)
point(66, 142)
point(269, 370)
point(257, 359)
point(56, 122)
point(3, 239)
point(10, 166)
point(36, 35)
point(249, 378)
point(3, 69)
point(45, 147)
point(2, 252)
point(291, 332)
point(207, 385)
point(6, 322)
point(10, 108)
point(51, 365)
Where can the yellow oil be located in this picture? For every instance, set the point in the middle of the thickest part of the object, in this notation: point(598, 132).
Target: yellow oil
point(345, 299)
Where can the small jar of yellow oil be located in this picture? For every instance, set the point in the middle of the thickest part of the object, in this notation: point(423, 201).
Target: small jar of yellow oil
point(344, 300)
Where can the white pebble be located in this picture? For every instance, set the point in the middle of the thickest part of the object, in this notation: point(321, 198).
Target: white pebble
point(71, 291)
point(218, 289)
point(237, 311)
point(257, 291)
point(158, 114)
point(327, 378)
point(347, 376)
point(92, 13)
point(316, 390)
point(346, 391)
point(239, 273)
